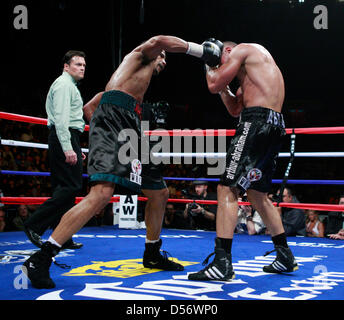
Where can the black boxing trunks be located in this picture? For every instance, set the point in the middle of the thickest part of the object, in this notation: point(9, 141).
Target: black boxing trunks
point(251, 158)
point(115, 131)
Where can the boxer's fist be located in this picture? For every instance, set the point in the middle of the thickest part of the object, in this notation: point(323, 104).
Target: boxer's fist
point(211, 54)
point(217, 42)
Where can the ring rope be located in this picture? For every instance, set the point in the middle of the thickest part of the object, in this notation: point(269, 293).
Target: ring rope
point(312, 206)
point(274, 181)
point(231, 132)
point(27, 119)
point(211, 155)
point(185, 132)
point(15, 143)
point(182, 132)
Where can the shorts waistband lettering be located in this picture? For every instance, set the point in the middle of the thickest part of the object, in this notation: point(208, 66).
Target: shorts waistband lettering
point(265, 114)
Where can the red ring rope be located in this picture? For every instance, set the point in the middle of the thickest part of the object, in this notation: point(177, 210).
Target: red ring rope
point(184, 132)
point(231, 132)
point(28, 119)
point(312, 206)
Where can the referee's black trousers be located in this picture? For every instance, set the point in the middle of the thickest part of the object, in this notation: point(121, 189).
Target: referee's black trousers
point(66, 183)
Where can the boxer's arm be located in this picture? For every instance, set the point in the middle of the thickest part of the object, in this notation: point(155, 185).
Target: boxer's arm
point(233, 103)
point(208, 51)
point(91, 106)
point(219, 78)
point(153, 47)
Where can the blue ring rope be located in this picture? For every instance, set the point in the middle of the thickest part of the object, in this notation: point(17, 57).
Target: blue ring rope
point(274, 181)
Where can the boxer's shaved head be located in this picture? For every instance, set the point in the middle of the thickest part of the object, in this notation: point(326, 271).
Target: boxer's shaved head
point(229, 44)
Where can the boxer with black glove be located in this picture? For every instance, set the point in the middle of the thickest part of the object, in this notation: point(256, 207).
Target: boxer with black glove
point(208, 51)
point(217, 42)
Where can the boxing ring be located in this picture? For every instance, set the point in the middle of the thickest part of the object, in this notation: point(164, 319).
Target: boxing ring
point(109, 266)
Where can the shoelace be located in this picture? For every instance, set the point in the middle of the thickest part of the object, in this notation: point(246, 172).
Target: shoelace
point(61, 265)
point(166, 255)
point(205, 262)
point(268, 252)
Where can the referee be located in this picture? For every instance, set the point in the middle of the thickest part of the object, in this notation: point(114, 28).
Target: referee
point(65, 122)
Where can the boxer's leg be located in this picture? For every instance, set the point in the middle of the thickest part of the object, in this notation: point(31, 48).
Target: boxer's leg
point(154, 213)
point(37, 266)
point(285, 261)
point(72, 221)
point(226, 218)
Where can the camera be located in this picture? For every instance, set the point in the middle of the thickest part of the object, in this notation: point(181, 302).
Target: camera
point(192, 205)
point(158, 112)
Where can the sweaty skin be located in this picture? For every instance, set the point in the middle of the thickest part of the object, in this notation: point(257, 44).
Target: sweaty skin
point(261, 81)
point(261, 84)
point(134, 74)
point(132, 77)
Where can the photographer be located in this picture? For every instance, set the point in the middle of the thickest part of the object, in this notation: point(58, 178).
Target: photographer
point(201, 217)
point(174, 219)
point(249, 220)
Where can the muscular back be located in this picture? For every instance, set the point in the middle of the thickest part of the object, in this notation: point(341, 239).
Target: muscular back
point(135, 72)
point(132, 76)
point(261, 80)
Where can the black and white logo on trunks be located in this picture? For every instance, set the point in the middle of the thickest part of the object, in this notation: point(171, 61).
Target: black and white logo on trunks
point(253, 175)
point(135, 175)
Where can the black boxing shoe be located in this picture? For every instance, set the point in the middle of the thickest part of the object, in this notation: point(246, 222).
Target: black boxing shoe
point(153, 259)
point(284, 262)
point(37, 266)
point(220, 269)
point(33, 237)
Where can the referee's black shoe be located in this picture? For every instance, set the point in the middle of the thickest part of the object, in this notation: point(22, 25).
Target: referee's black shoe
point(70, 244)
point(220, 269)
point(34, 237)
point(284, 262)
point(37, 266)
point(152, 258)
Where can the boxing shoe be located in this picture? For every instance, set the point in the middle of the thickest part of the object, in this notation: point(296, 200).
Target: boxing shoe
point(220, 269)
point(37, 266)
point(152, 258)
point(284, 262)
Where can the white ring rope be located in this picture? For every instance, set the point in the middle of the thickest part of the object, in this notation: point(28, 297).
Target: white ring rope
point(28, 144)
point(211, 155)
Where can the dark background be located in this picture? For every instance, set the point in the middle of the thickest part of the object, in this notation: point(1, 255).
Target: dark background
point(311, 61)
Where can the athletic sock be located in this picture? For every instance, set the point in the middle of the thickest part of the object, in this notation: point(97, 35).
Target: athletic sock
point(152, 241)
point(280, 240)
point(225, 244)
point(52, 241)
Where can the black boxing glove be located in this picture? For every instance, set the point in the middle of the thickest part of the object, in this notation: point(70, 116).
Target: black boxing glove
point(209, 52)
point(217, 42)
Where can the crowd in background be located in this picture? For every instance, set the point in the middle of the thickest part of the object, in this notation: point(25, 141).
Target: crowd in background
point(304, 223)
